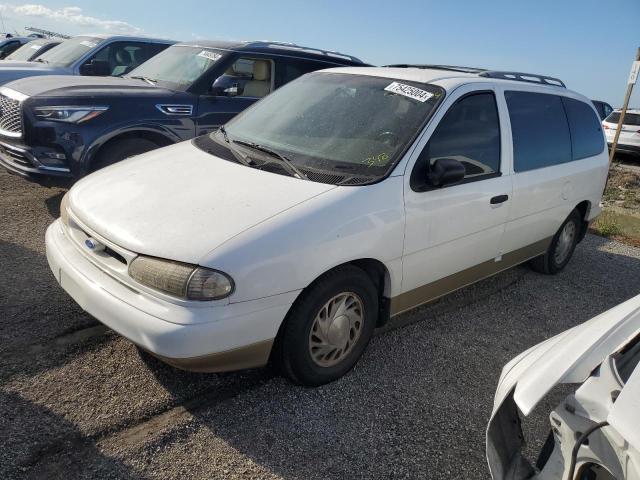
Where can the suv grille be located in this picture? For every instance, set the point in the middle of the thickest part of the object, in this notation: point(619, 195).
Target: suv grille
point(10, 117)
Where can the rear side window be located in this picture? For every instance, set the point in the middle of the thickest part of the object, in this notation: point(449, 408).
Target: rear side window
point(288, 69)
point(540, 130)
point(585, 128)
point(469, 133)
point(629, 118)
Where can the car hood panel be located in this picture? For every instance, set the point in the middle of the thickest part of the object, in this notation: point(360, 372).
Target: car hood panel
point(569, 357)
point(10, 71)
point(79, 86)
point(180, 203)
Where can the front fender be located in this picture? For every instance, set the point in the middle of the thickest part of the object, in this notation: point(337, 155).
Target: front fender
point(172, 135)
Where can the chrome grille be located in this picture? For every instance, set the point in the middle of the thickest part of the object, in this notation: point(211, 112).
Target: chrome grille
point(10, 117)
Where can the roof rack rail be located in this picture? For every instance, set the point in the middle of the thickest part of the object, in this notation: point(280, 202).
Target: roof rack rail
point(524, 77)
point(451, 68)
point(293, 46)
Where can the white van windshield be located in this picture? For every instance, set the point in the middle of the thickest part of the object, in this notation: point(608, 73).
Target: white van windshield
point(338, 123)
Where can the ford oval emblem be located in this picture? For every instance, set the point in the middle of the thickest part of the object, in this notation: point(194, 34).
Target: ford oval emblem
point(93, 245)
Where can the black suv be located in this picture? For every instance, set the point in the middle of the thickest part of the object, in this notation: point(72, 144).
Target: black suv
point(69, 126)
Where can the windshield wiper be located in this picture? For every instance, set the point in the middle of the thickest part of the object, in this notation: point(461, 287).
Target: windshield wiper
point(150, 81)
point(289, 164)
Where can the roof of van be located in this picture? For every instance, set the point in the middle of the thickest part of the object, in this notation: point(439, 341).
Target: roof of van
point(268, 46)
point(436, 75)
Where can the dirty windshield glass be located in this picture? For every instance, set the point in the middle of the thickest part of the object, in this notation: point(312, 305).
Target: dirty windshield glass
point(178, 66)
point(69, 51)
point(338, 123)
point(26, 51)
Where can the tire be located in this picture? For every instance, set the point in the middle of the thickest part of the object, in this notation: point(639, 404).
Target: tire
point(313, 358)
point(562, 247)
point(120, 150)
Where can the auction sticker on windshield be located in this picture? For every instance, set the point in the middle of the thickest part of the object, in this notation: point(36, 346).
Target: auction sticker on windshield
point(213, 56)
point(409, 91)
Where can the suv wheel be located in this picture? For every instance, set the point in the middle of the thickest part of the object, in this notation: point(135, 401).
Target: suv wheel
point(329, 327)
point(562, 246)
point(119, 150)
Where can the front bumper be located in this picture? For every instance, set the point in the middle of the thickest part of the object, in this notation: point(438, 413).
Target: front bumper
point(21, 160)
point(234, 336)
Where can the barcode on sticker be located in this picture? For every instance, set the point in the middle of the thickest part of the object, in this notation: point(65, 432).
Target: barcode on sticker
point(409, 91)
point(213, 56)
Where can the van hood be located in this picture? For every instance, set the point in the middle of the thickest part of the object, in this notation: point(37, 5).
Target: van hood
point(180, 202)
point(79, 86)
point(10, 71)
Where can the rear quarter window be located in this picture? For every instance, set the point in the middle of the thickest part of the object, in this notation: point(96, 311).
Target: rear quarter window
point(585, 128)
point(540, 131)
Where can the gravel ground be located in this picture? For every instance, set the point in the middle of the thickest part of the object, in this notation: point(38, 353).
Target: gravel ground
point(77, 401)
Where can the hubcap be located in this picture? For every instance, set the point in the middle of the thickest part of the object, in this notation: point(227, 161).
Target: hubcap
point(565, 241)
point(336, 329)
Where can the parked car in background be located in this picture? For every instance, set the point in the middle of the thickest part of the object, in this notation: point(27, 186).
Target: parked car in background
point(32, 50)
point(93, 55)
point(595, 431)
point(69, 126)
point(603, 108)
point(11, 44)
point(629, 139)
point(341, 199)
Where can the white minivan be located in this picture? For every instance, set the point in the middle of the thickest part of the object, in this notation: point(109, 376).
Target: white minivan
point(344, 198)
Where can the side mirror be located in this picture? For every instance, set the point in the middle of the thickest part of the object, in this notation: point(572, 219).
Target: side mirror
point(99, 68)
point(445, 171)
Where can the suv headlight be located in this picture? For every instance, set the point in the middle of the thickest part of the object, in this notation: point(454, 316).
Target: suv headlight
point(70, 114)
point(181, 279)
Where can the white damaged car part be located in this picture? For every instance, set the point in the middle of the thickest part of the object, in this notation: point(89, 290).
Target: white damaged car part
point(595, 431)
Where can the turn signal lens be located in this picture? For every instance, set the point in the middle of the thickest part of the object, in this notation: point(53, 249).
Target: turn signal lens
point(207, 284)
point(181, 279)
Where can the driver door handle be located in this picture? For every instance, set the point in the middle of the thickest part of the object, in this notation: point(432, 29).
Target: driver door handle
point(499, 199)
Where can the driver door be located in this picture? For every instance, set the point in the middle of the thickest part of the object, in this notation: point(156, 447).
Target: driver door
point(245, 81)
point(453, 234)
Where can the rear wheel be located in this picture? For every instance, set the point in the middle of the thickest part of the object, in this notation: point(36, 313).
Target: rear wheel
point(562, 246)
point(122, 149)
point(329, 327)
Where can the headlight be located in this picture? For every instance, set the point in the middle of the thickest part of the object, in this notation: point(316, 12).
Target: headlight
point(181, 279)
point(69, 114)
point(64, 209)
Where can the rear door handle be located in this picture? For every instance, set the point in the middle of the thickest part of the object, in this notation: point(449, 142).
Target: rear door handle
point(499, 199)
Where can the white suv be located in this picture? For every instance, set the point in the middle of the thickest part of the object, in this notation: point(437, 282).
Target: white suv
point(344, 198)
point(629, 140)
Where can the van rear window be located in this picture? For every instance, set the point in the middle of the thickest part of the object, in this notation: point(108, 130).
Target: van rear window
point(540, 130)
point(587, 139)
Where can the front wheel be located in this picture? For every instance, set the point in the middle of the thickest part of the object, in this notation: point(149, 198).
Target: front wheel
point(122, 149)
point(562, 246)
point(329, 327)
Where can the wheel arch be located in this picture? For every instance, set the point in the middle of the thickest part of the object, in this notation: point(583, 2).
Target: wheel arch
point(158, 136)
point(583, 208)
point(379, 275)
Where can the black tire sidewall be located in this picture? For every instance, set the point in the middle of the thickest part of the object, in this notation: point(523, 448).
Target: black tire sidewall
point(298, 362)
point(122, 150)
point(552, 265)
